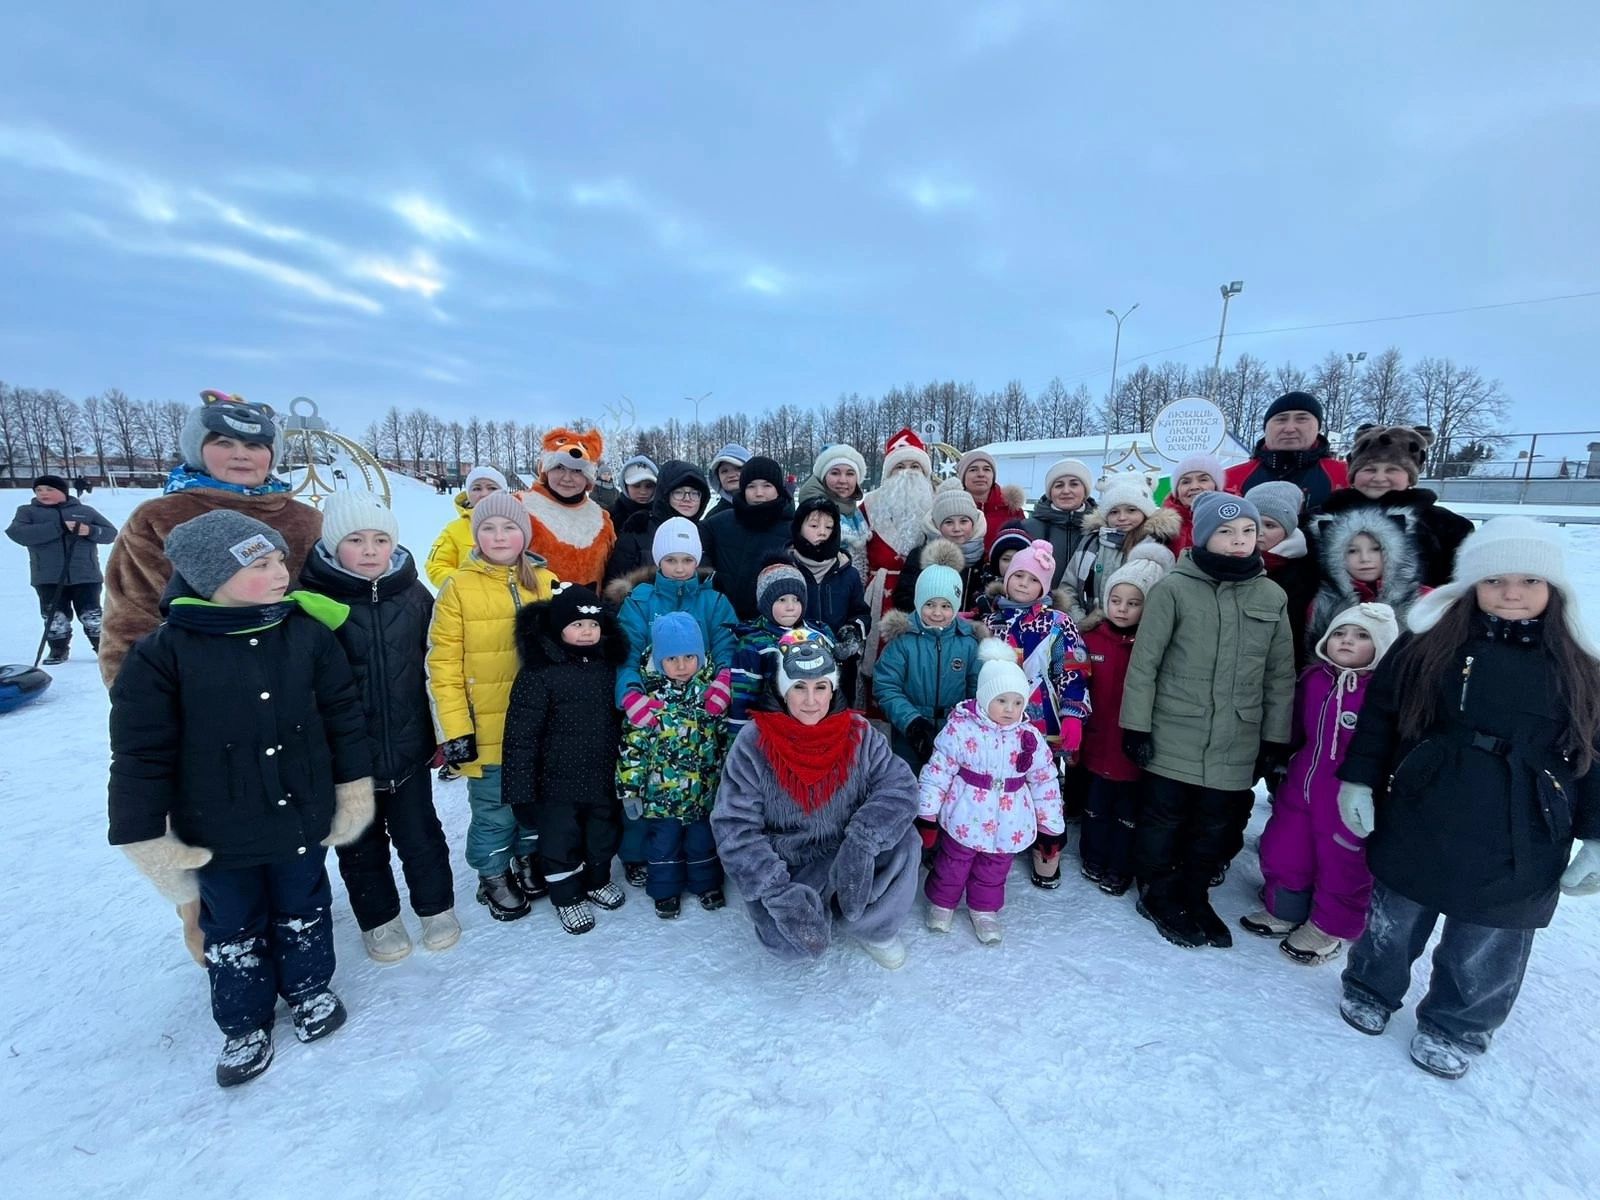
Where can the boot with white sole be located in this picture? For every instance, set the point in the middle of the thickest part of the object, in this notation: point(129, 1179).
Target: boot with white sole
point(987, 926)
point(441, 931)
point(890, 954)
point(1311, 947)
point(940, 919)
point(387, 943)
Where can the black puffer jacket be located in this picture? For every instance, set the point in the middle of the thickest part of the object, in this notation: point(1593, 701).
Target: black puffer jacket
point(1475, 819)
point(636, 535)
point(386, 640)
point(739, 540)
point(238, 738)
point(562, 727)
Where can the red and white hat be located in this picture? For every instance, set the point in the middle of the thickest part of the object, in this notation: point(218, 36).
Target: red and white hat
point(904, 447)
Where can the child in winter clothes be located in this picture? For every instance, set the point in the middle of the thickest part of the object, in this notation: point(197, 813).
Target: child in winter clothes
point(834, 596)
point(1111, 807)
point(1207, 710)
point(781, 600)
point(1198, 473)
point(956, 532)
point(991, 784)
point(1366, 556)
point(1471, 772)
point(1384, 465)
point(560, 759)
point(239, 753)
point(667, 774)
point(62, 536)
point(454, 543)
point(1127, 517)
point(472, 665)
point(1012, 539)
point(928, 666)
point(1317, 883)
point(359, 562)
point(1286, 553)
point(676, 584)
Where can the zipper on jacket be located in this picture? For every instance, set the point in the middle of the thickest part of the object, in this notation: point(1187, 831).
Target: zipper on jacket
point(381, 677)
point(1466, 682)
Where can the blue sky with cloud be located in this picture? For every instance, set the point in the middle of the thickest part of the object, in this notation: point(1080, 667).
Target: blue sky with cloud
point(531, 209)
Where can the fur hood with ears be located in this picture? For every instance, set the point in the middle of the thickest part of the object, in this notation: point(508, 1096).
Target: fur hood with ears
point(540, 646)
point(1395, 533)
point(895, 623)
point(617, 590)
point(1162, 526)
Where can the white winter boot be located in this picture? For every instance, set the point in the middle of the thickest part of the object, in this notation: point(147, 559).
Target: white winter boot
point(387, 943)
point(1264, 924)
point(987, 926)
point(939, 919)
point(890, 954)
point(441, 931)
point(1310, 946)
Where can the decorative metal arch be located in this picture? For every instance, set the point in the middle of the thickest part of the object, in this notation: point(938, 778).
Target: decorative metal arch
point(310, 434)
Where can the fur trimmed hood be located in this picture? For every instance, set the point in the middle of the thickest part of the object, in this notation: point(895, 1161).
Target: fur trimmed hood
point(618, 589)
point(1395, 533)
point(1161, 526)
point(540, 646)
point(895, 623)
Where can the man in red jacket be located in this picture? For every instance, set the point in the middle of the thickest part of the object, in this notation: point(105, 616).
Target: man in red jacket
point(1293, 449)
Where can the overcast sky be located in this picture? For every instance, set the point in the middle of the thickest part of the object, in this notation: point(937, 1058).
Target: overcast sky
point(531, 210)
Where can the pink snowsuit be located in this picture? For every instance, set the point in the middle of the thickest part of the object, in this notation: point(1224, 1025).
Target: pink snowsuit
point(1313, 865)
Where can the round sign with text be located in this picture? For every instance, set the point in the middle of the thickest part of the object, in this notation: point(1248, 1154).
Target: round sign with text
point(1189, 425)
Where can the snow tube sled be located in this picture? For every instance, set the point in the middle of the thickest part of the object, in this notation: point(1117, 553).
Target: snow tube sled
point(20, 684)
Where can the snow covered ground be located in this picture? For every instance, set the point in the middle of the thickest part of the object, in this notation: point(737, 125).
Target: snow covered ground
point(1084, 1057)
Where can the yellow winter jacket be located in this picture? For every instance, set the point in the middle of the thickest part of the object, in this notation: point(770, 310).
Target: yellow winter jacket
point(454, 543)
point(472, 653)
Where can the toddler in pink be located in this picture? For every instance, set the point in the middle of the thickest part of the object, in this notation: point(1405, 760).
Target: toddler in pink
point(991, 784)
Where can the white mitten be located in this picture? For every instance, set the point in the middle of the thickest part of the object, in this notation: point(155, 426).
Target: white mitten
point(170, 865)
point(1355, 808)
point(354, 806)
point(1582, 876)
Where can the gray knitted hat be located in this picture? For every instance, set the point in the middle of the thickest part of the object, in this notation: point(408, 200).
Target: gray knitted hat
point(212, 548)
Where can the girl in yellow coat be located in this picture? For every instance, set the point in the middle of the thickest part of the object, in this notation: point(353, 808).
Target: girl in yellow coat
point(454, 543)
point(472, 663)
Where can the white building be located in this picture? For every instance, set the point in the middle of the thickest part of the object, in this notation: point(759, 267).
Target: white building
point(1025, 463)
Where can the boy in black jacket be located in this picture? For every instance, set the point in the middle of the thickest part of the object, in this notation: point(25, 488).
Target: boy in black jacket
point(559, 756)
point(239, 752)
point(359, 561)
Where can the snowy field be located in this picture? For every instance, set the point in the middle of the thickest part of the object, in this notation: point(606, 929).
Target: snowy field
point(1083, 1057)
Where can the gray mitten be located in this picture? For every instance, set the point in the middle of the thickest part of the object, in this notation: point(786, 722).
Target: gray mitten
point(170, 865)
point(798, 913)
point(354, 805)
point(851, 876)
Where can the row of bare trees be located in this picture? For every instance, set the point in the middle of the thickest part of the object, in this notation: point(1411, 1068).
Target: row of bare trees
point(41, 428)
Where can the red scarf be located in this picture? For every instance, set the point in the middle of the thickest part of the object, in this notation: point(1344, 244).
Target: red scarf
point(812, 762)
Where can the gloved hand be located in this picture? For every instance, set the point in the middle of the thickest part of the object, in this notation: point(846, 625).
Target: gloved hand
point(851, 876)
point(1582, 876)
point(920, 733)
point(801, 920)
point(458, 751)
point(353, 809)
point(720, 693)
point(1071, 737)
point(643, 712)
point(1355, 808)
point(847, 643)
point(1272, 764)
point(1139, 747)
point(928, 831)
point(170, 865)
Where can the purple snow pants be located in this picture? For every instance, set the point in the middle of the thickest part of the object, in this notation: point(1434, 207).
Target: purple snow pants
point(1313, 866)
point(957, 869)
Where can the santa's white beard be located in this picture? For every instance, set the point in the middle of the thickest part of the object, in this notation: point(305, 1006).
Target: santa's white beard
point(898, 510)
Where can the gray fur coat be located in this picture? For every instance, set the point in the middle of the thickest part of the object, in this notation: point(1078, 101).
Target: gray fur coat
point(1395, 533)
point(763, 836)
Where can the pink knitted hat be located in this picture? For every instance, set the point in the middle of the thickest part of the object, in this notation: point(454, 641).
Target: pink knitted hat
point(1037, 560)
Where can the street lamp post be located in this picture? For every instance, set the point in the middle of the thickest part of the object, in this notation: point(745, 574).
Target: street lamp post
point(1350, 385)
point(1229, 291)
point(1111, 396)
point(699, 447)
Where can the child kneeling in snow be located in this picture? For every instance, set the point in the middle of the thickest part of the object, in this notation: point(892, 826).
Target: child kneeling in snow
point(239, 754)
point(1317, 884)
point(991, 783)
point(668, 770)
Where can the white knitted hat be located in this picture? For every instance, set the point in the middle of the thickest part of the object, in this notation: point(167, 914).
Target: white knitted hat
point(343, 513)
point(1377, 619)
point(1147, 565)
point(1073, 467)
point(996, 678)
point(1506, 546)
point(488, 473)
point(1126, 487)
point(832, 456)
point(676, 535)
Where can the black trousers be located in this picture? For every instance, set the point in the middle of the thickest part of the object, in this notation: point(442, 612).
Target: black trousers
point(1477, 971)
point(80, 598)
point(406, 817)
point(577, 842)
point(1186, 833)
point(268, 933)
point(1110, 817)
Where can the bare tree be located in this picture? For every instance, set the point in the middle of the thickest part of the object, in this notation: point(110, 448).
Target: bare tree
point(123, 415)
point(1458, 402)
point(475, 439)
point(152, 431)
point(11, 439)
point(1385, 394)
point(1290, 378)
point(172, 414)
point(414, 434)
point(97, 422)
point(65, 425)
point(392, 434)
point(458, 437)
point(1332, 383)
point(508, 441)
point(371, 440)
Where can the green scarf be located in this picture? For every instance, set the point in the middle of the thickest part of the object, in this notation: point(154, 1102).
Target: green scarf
point(230, 620)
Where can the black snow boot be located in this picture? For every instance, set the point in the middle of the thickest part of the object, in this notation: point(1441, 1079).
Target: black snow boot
point(712, 899)
point(529, 878)
point(244, 1057)
point(318, 1015)
point(1161, 906)
point(1113, 884)
point(668, 907)
point(58, 653)
point(637, 874)
point(504, 898)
